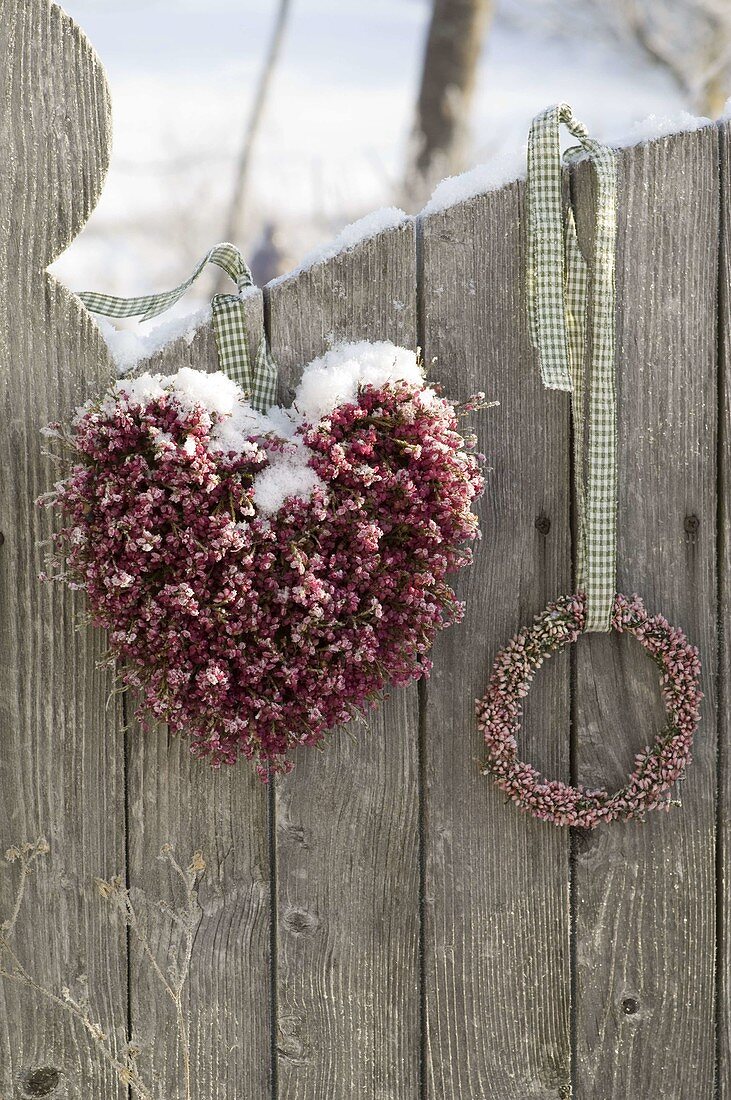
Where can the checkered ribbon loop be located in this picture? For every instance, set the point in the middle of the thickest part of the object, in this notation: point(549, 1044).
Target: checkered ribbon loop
point(559, 285)
point(258, 380)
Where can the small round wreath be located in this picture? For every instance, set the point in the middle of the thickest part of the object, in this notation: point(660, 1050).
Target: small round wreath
point(656, 767)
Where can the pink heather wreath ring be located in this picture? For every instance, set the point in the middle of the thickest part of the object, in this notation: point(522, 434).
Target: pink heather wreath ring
point(656, 768)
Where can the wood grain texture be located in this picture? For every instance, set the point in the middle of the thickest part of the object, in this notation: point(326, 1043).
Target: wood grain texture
point(723, 869)
point(645, 893)
point(62, 759)
point(496, 913)
point(423, 932)
point(175, 798)
point(347, 820)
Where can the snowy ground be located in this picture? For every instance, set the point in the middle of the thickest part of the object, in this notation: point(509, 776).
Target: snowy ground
point(333, 142)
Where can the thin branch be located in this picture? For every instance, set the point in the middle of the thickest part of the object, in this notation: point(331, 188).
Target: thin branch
point(649, 45)
point(27, 854)
point(133, 921)
point(234, 226)
point(189, 879)
point(126, 1075)
point(115, 891)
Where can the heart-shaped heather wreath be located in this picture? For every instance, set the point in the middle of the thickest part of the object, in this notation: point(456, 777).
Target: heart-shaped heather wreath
point(262, 578)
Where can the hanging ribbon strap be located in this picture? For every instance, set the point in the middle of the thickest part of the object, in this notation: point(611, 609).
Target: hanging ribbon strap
point(558, 285)
point(258, 381)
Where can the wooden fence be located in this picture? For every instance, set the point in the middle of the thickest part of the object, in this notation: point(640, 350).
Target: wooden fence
point(380, 925)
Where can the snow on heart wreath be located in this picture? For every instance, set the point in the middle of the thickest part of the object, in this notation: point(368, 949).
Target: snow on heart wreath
point(262, 578)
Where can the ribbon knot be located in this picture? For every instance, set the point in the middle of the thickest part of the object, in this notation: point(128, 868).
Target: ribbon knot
point(559, 280)
point(259, 379)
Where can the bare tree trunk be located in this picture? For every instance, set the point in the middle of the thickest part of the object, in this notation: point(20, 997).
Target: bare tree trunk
point(449, 73)
point(235, 223)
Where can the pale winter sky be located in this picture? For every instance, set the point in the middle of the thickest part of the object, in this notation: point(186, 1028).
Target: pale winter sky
point(337, 123)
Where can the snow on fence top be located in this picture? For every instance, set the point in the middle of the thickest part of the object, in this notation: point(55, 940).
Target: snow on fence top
point(389, 217)
point(130, 348)
point(509, 166)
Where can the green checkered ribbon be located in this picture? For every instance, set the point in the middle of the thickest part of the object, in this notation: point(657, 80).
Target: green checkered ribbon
point(258, 380)
point(559, 283)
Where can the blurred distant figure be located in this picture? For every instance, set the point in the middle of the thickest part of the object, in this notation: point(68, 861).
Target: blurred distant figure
point(439, 142)
point(270, 258)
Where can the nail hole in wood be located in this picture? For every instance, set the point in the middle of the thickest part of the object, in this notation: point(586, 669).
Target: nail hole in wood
point(543, 525)
point(692, 523)
point(2, 538)
point(630, 1006)
point(42, 1081)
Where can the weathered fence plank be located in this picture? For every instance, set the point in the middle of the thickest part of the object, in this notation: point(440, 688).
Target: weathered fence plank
point(645, 893)
point(497, 917)
point(723, 876)
point(346, 840)
point(380, 924)
point(175, 798)
point(62, 759)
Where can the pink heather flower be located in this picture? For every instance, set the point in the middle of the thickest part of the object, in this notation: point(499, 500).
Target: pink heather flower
point(656, 769)
point(253, 630)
